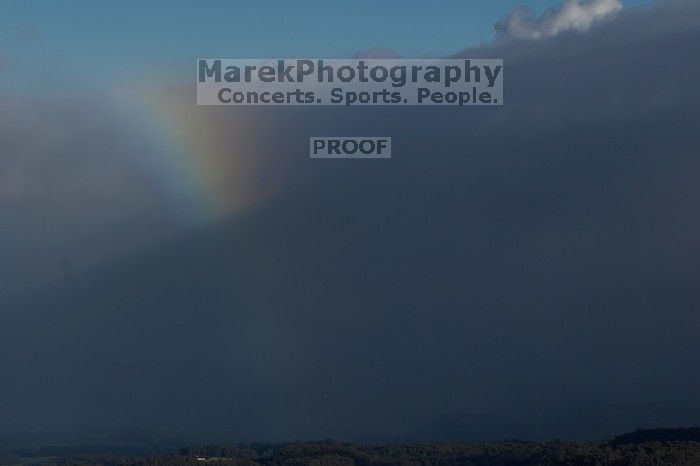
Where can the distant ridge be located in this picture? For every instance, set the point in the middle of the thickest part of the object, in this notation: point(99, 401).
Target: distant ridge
point(659, 434)
point(643, 447)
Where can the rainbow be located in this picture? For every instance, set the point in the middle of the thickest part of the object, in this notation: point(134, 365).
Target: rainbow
point(195, 159)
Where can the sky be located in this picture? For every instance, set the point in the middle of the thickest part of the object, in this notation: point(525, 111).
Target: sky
point(84, 43)
point(177, 271)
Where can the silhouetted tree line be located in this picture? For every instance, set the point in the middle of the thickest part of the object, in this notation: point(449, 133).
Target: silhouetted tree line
point(683, 434)
point(650, 447)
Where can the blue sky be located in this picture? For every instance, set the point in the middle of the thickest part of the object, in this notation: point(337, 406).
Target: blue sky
point(61, 42)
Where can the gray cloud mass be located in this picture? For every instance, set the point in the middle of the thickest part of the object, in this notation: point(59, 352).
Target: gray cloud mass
point(527, 271)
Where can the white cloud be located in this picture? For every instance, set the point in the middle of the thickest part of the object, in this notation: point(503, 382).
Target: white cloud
point(572, 15)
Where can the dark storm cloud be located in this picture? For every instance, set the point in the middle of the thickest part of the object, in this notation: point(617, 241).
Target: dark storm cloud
point(67, 180)
point(525, 271)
